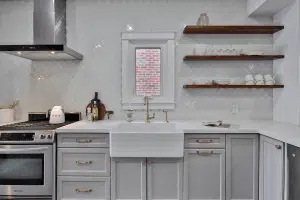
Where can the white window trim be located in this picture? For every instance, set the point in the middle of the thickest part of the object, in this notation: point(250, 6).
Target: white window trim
point(165, 41)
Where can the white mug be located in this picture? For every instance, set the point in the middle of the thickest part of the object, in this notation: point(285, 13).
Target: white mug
point(259, 83)
point(269, 77)
point(250, 83)
point(259, 77)
point(249, 77)
point(270, 82)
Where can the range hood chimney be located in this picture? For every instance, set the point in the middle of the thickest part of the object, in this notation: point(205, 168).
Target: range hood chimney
point(49, 31)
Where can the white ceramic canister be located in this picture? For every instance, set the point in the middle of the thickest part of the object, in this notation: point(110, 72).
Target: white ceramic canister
point(7, 115)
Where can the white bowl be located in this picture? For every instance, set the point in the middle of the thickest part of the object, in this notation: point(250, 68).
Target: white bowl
point(222, 81)
point(197, 81)
point(259, 83)
point(202, 81)
point(255, 53)
point(270, 82)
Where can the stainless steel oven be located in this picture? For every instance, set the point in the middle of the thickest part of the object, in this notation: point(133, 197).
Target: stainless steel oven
point(27, 157)
point(26, 170)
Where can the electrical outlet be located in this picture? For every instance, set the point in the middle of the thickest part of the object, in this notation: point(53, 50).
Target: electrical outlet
point(235, 108)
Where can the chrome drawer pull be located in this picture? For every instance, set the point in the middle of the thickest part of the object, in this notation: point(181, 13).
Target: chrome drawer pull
point(204, 141)
point(208, 153)
point(278, 146)
point(84, 141)
point(83, 163)
point(84, 191)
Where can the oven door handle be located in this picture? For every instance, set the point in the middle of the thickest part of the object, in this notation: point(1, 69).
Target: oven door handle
point(23, 150)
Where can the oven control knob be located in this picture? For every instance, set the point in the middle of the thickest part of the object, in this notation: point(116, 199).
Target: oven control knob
point(49, 136)
point(42, 136)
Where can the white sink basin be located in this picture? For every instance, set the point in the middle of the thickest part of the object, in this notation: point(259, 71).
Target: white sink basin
point(142, 127)
point(152, 122)
point(146, 140)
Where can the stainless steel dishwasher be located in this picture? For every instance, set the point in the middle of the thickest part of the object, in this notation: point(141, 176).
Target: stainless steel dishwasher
point(294, 172)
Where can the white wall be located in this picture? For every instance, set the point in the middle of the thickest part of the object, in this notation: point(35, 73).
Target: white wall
point(15, 27)
point(286, 101)
point(266, 7)
point(252, 5)
point(94, 29)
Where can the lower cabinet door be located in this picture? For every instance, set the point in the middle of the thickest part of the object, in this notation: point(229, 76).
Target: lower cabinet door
point(242, 166)
point(271, 169)
point(128, 176)
point(164, 178)
point(83, 188)
point(204, 174)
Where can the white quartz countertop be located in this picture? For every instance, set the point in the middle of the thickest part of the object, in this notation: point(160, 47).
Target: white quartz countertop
point(281, 131)
point(7, 123)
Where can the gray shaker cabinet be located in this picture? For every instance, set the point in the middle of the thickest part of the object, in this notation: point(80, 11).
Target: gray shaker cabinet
point(271, 169)
point(83, 167)
point(204, 174)
point(151, 179)
point(242, 166)
point(83, 162)
point(83, 188)
point(164, 178)
point(128, 178)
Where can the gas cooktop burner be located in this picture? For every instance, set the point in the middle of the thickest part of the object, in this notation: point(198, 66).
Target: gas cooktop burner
point(37, 130)
point(33, 125)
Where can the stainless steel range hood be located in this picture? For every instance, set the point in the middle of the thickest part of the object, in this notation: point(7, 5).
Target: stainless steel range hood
point(49, 28)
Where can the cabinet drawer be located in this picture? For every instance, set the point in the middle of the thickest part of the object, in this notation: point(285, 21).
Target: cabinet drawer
point(204, 141)
point(83, 140)
point(83, 188)
point(83, 161)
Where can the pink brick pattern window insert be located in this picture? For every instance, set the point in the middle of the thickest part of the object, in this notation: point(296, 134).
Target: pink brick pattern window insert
point(147, 72)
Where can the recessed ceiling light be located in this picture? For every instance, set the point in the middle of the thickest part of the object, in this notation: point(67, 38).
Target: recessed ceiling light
point(53, 52)
point(19, 53)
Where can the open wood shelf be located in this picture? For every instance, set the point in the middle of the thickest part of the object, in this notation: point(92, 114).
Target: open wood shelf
point(233, 86)
point(232, 29)
point(238, 57)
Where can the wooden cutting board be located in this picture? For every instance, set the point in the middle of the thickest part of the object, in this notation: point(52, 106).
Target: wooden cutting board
point(102, 111)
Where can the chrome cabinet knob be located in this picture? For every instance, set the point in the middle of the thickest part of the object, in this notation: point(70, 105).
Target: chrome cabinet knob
point(42, 136)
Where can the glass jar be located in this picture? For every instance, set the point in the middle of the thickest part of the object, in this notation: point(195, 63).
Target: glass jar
point(203, 20)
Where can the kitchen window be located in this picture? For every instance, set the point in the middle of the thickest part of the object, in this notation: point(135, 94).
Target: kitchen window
point(147, 72)
point(148, 69)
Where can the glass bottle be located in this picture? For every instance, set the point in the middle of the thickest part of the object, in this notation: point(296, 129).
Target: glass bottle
point(95, 111)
